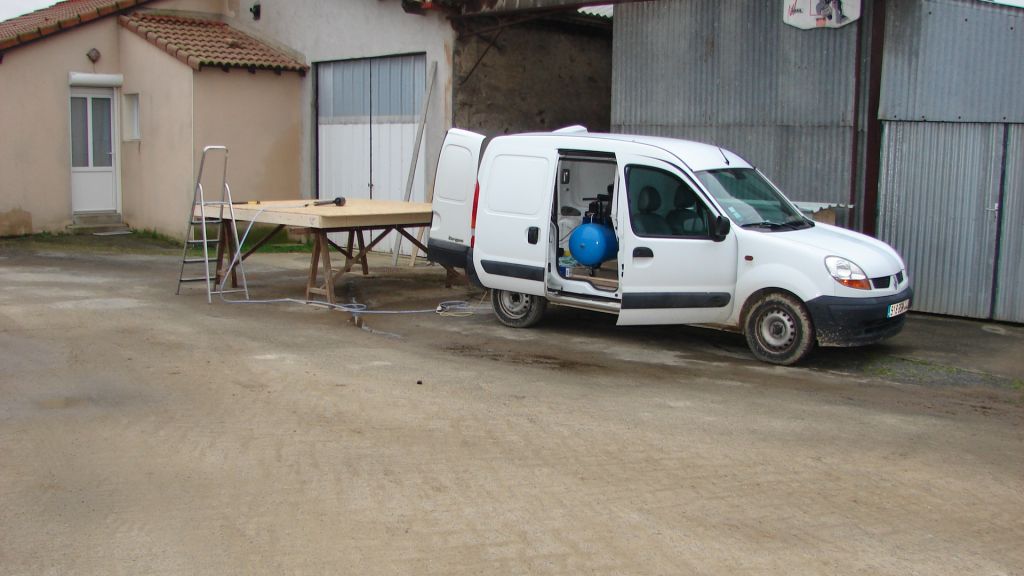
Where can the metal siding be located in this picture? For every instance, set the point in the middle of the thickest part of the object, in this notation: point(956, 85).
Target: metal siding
point(731, 73)
point(1010, 291)
point(953, 61)
point(937, 181)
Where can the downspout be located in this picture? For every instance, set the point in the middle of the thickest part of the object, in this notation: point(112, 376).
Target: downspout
point(873, 151)
point(855, 178)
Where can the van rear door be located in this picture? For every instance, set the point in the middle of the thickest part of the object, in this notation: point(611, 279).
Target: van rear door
point(454, 186)
point(517, 183)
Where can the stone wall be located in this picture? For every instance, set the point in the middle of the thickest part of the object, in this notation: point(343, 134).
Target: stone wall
point(536, 76)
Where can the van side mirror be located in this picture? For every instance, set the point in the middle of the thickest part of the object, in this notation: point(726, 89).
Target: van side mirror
point(720, 229)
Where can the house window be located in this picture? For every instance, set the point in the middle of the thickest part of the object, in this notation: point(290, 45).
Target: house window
point(132, 119)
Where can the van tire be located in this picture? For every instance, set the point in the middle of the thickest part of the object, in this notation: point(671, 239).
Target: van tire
point(779, 329)
point(516, 309)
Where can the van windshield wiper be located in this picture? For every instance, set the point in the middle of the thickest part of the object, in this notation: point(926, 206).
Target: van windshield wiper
point(764, 224)
point(789, 224)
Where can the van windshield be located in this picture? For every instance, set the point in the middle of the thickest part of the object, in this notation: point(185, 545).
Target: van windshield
point(750, 201)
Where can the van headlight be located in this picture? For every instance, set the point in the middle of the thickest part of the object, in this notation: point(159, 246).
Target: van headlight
point(847, 273)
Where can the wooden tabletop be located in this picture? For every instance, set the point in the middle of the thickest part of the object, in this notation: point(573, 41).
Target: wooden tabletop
point(356, 212)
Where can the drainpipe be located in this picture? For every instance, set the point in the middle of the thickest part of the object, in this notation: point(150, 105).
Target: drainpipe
point(873, 137)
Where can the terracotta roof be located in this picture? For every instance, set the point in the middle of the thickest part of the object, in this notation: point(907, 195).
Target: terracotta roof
point(200, 43)
point(58, 18)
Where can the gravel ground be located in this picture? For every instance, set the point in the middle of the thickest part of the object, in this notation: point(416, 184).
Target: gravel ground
point(147, 433)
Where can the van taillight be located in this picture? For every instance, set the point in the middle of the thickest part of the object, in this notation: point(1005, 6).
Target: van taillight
point(472, 220)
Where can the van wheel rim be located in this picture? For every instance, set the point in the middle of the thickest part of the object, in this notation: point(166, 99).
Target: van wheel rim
point(515, 304)
point(777, 330)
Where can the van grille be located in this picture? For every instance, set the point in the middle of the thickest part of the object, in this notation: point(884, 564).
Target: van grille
point(883, 282)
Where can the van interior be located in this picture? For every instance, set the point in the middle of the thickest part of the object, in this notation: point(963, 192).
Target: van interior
point(584, 204)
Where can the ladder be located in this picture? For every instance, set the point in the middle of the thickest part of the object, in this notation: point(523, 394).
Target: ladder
point(203, 214)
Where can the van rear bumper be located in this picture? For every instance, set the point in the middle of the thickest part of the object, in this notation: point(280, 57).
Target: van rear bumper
point(840, 321)
point(447, 253)
point(455, 255)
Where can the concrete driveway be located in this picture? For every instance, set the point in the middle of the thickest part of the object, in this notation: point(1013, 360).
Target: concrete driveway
point(147, 433)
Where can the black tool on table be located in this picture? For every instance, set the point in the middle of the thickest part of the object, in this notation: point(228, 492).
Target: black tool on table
point(338, 201)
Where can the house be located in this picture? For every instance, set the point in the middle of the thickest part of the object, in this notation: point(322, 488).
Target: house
point(314, 98)
point(107, 106)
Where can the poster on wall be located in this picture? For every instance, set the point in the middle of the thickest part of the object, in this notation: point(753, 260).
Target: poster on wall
point(810, 14)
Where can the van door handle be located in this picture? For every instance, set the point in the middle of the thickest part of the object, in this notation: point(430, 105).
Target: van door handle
point(643, 252)
point(532, 234)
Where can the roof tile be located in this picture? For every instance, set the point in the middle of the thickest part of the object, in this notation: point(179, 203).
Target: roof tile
point(60, 16)
point(200, 43)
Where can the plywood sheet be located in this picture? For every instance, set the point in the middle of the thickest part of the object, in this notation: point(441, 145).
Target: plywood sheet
point(356, 212)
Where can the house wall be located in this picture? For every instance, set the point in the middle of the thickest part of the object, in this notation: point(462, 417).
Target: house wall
point(536, 77)
point(35, 173)
point(262, 134)
point(156, 184)
point(326, 30)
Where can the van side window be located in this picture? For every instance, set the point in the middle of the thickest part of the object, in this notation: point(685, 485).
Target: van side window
point(660, 204)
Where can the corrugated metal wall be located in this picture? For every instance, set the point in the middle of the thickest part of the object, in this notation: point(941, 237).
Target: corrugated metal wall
point(1010, 290)
point(954, 61)
point(938, 182)
point(731, 73)
point(952, 79)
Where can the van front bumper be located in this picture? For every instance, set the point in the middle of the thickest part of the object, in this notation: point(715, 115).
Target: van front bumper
point(841, 321)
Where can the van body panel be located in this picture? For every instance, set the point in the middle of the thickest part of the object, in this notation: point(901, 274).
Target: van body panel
point(454, 186)
point(668, 278)
point(514, 214)
point(874, 257)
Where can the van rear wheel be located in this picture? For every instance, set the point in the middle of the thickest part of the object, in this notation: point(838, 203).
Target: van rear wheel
point(779, 329)
point(516, 309)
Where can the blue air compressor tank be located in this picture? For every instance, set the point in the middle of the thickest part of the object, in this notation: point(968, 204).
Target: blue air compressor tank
point(591, 244)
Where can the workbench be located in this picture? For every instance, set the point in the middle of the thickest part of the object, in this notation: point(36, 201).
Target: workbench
point(357, 216)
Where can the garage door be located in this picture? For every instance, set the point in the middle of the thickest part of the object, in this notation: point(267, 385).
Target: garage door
point(366, 128)
point(950, 200)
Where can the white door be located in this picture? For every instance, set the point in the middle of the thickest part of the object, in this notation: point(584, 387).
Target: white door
point(514, 217)
point(673, 272)
point(367, 114)
point(93, 154)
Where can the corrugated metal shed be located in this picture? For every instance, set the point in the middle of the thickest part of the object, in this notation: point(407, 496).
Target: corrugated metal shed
point(953, 61)
point(939, 183)
point(731, 73)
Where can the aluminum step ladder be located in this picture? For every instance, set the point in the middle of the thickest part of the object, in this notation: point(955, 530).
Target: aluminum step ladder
point(203, 214)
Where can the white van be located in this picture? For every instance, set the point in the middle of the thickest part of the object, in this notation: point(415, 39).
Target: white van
point(657, 231)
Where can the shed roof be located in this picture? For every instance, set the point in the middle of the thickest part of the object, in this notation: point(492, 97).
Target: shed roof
point(210, 43)
point(58, 18)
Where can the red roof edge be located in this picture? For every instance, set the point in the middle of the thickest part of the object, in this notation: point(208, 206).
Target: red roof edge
point(24, 30)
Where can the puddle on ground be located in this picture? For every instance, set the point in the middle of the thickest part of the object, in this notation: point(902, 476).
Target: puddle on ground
point(60, 403)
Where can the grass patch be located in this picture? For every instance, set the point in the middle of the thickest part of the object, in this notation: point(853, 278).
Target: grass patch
point(278, 242)
point(137, 242)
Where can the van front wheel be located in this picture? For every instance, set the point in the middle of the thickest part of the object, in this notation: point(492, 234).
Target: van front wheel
point(516, 309)
point(779, 329)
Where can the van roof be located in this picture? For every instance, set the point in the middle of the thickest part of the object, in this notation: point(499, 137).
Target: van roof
point(696, 155)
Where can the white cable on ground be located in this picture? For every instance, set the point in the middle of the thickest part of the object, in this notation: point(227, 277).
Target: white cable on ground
point(446, 308)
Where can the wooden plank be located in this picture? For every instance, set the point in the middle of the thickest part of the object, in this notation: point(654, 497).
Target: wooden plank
point(357, 212)
point(416, 153)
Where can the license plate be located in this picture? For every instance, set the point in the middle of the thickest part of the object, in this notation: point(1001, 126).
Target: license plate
point(898, 308)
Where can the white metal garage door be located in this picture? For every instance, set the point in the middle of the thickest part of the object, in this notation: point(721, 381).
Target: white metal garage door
point(366, 128)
